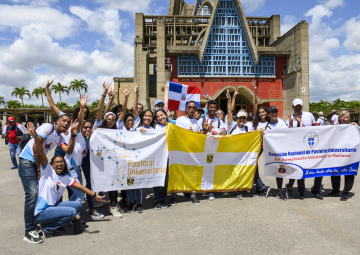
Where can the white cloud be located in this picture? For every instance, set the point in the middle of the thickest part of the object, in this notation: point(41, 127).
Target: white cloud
point(331, 4)
point(289, 22)
point(352, 27)
point(35, 2)
point(141, 6)
point(252, 5)
point(56, 24)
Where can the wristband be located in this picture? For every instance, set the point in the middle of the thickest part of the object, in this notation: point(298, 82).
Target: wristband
point(73, 135)
point(103, 95)
point(94, 195)
point(82, 106)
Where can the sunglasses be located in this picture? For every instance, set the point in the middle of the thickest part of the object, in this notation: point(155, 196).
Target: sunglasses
point(87, 127)
point(242, 118)
point(130, 120)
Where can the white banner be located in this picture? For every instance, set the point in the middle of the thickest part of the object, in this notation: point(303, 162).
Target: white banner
point(299, 153)
point(121, 160)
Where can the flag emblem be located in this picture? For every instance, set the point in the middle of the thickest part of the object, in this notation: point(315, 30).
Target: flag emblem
point(183, 97)
point(130, 181)
point(209, 158)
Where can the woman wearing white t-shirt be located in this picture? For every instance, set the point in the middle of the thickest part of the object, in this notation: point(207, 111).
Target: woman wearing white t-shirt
point(53, 180)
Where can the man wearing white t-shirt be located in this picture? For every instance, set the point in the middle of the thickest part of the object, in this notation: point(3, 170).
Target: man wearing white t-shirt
point(188, 122)
point(302, 119)
point(334, 118)
point(321, 121)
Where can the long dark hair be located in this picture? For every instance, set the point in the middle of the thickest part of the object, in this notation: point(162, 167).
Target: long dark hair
point(66, 170)
point(257, 117)
point(161, 110)
point(116, 109)
point(104, 124)
point(75, 115)
point(142, 117)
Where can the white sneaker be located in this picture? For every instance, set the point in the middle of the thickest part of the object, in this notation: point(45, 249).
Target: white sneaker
point(211, 196)
point(239, 195)
point(115, 211)
point(96, 215)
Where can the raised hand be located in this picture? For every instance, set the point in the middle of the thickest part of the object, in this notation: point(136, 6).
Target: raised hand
point(236, 92)
point(111, 94)
point(74, 127)
point(106, 87)
point(228, 94)
point(48, 84)
point(124, 89)
point(253, 83)
point(136, 86)
point(207, 97)
point(291, 120)
point(210, 126)
point(298, 118)
point(206, 124)
point(83, 100)
point(31, 130)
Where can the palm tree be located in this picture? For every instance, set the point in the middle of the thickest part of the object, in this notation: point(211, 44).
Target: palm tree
point(2, 102)
point(59, 88)
point(40, 91)
point(13, 104)
point(21, 92)
point(76, 85)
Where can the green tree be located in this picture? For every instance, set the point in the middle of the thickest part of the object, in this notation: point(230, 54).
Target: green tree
point(63, 105)
point(94, 104)
point(21, 92)
point(77, 85)
point(13, 104)
point(40, 91)
point(2, 101)
point(59, 88)
point(76, 105)
point(31, 106)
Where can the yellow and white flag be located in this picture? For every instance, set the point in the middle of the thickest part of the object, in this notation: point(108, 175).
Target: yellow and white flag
point(200, 163)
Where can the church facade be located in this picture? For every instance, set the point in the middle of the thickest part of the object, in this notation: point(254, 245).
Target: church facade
point(214, 46)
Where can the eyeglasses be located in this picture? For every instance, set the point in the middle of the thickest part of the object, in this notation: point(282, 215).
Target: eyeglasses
point(219, 113)
point(242, 118)
point(130, 120)
point(58, 162)
point(87, 127)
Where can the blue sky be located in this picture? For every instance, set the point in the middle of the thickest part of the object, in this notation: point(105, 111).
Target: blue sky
point(93, 40)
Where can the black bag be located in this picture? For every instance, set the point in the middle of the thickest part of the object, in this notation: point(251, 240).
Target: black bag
point(6, 140)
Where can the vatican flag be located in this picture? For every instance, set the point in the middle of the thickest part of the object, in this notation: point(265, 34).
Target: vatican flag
point(200, 163)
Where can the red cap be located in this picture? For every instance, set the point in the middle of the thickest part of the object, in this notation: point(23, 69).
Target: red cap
point(11, 118)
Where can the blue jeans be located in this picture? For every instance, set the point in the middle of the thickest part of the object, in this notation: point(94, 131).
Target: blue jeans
point(86, 170)
point(14, 148)
point(259, 184)
point(130, 194)
point(78, 195)
point(28, 175)
point(57, 216)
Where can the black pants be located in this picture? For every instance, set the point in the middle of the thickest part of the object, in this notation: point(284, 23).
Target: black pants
point(349, 182)
point(317, 185)
point(301, 184)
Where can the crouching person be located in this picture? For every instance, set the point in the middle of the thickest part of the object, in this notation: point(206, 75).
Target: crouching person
point(53, 181)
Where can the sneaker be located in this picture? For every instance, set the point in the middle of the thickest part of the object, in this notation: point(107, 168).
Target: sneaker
point(288, 192)
point(164, 204)
point(60, 230)
point(98, 204)
point(158, 205)
point(131, 207)
point(173, 201)
point(32, 237)
point(195, 200)
point(205, 194)
point(265, 192)
point(334, 193)
point(317, 195)
point(46, 235)
point(121, 210)
point(14, 167)
point(280, 195)
point(226, 194)
point(239, 195)
point(301, 195)
point(37, 229)
point(344, 197)
point(115, 211)
point(96, 215)
point(139, 208)
point(211, 196)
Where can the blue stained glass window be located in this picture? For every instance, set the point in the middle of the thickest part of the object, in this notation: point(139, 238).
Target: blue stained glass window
point(226, 52)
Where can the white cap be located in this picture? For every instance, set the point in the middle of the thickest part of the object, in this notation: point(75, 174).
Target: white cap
point(321, 113)
point(333, 111)
point(241, 114)
point(298, 101)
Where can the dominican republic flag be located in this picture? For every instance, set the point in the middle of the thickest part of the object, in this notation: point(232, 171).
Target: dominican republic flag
point(180, 94)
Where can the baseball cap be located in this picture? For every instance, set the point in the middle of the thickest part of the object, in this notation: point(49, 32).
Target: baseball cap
point(241, 114)
point(321, 113)
point(298, 101)
point(11, 118)
point(333, 111)
point(272, 108)
point(158, 101)
point(200, 109)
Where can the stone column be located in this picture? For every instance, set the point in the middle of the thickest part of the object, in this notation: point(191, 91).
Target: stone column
point(161, 54)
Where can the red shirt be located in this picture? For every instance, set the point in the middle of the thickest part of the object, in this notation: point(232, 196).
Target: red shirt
point(11, 132)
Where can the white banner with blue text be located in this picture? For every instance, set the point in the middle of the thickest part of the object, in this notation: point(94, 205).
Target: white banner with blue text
point(121, 160)
point(299, 153)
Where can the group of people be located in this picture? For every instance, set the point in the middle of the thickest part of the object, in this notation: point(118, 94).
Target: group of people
point(44, 183)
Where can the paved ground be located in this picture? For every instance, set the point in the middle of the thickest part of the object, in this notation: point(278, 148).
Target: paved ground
point(226, 225)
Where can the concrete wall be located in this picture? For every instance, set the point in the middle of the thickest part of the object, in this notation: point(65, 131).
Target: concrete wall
point(295, 82)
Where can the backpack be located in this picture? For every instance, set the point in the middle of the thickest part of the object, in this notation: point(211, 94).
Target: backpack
point(233, 129)
point(325, 121)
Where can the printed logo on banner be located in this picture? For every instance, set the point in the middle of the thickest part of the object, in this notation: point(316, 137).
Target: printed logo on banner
point(183, 97)
point(210, 158)
point(130, 181)
point(311, 139)
point(281, 169)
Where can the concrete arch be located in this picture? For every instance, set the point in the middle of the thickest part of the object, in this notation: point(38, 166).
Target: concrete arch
point(208, 4)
